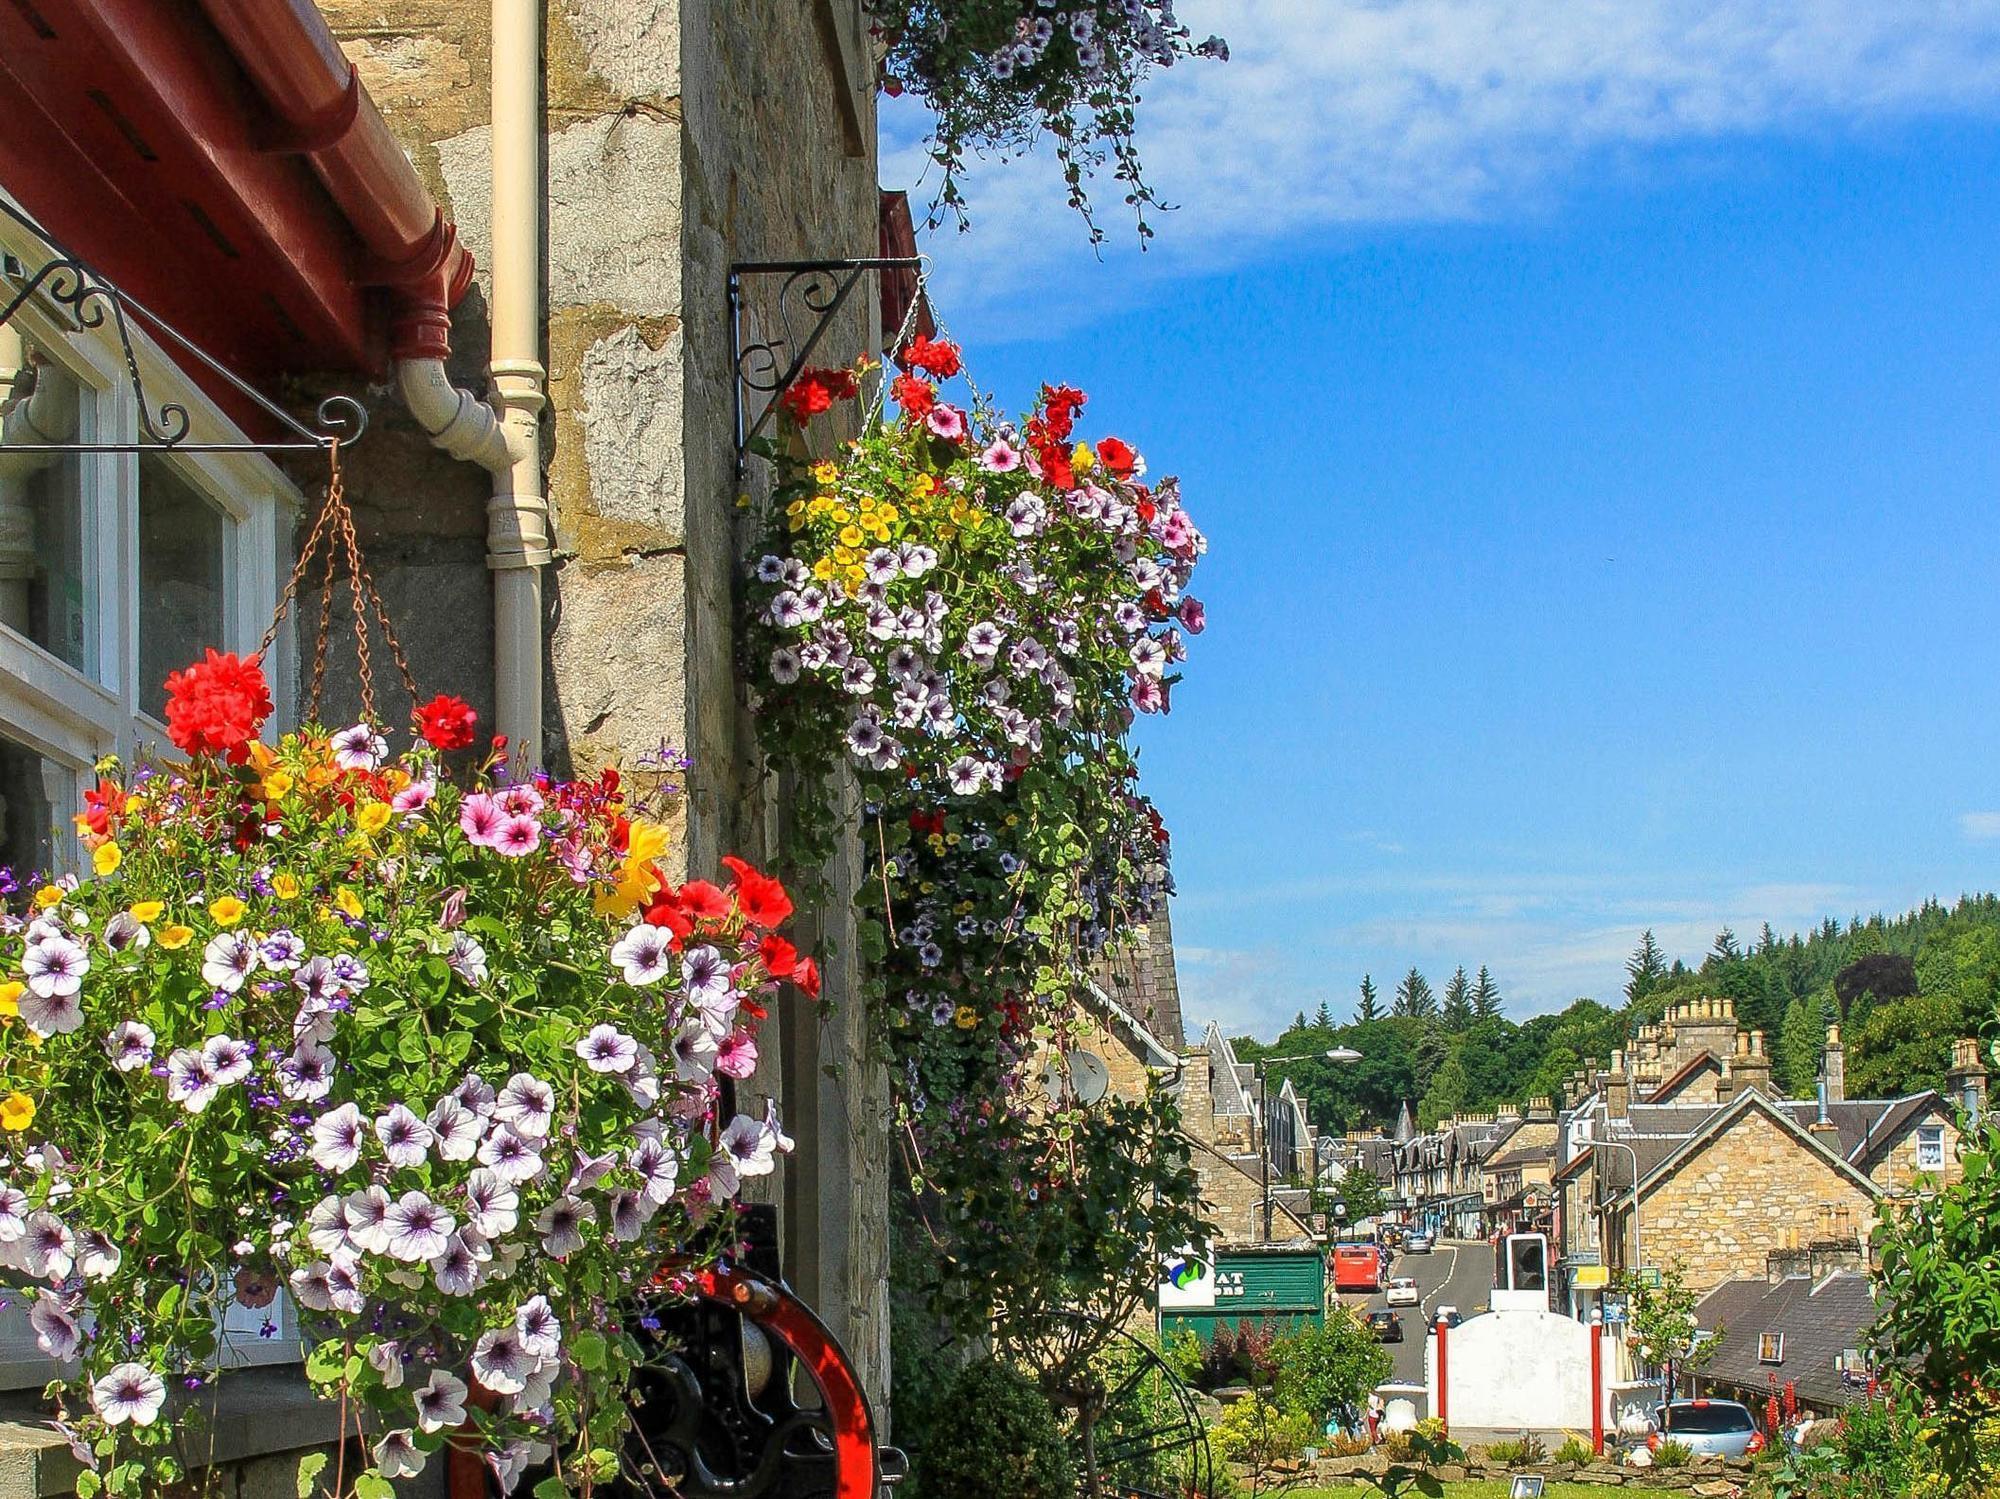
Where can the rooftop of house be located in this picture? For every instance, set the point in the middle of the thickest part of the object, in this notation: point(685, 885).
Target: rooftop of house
point(1817, 1320)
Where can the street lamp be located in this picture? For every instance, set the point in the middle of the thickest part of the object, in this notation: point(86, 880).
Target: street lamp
point(1594, 1142)
point(1332, 1054)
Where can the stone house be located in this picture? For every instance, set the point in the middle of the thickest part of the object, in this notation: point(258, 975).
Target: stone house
point(1515, 1177)
point(1439, 1181)
point(1744, 1184)
point(507, 230)
point(1805, 1335)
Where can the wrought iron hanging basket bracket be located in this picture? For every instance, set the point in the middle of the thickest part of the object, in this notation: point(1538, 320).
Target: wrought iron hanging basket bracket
point(810, 296)
point(65, 285)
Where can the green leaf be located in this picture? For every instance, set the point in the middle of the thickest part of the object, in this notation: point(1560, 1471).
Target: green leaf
point(551, 1488)
point(588, 1349)
point(310, 1467)
point(88, 1485)
point(373, 1486)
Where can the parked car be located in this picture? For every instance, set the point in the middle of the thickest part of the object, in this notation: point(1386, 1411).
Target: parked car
point(1419, 1244)
point(1448, 1315)
point(1708, 1428)
point(1403, 1292)
point(1386, 1325)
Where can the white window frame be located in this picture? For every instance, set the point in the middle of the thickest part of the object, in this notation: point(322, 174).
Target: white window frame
point(1930, 1147)
point(74, 718)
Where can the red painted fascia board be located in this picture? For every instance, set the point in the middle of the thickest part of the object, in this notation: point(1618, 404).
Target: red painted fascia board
point(145, 165)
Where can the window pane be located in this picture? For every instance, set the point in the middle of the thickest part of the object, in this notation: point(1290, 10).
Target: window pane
point(182, 566)
point(34, 797)
point(44, 564)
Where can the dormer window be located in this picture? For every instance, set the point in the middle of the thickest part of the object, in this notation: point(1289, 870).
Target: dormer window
point(1930, 1147)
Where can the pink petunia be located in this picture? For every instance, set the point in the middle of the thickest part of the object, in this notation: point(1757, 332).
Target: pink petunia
point(518, 836)
point(481, 819)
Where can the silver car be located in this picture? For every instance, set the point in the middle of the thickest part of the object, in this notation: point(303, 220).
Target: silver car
point(1707, 1428)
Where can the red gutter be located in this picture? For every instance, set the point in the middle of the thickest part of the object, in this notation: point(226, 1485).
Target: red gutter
point(324, 113)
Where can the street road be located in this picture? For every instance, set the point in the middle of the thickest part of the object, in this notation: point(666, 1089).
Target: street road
point(1456, 1273)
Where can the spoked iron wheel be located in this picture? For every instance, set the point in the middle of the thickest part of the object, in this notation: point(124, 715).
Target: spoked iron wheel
point(720, 1416)
point(1136, 1427)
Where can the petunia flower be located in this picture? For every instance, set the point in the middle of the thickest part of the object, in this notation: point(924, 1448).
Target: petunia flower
point(561, 1226)
point(607, 1049)
point(190, 1081)
point(128, 1392)
point(501, 1362)
point(56, 1332)
point(337, 1138)
point(129, 1044)
point(526, 1105)
point(418, 1228)
point(229, 959)
point(359, 748)
point(397, 1455)
point(48, 1248)
point(441, 1402)
point(405, 1138)
point(54, 967)
point(366, 1214)
point(644, 954)
point(455, 1129)
point(491, 1203)
point(538, 1327)
point(510, 1156)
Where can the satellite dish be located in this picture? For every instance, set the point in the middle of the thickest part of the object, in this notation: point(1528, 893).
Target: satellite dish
point(1089, 1078)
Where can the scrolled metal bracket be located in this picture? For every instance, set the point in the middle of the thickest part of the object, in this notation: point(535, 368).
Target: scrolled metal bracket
point(809, 298)
point(65, 283)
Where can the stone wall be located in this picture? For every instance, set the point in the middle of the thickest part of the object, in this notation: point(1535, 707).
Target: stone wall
point(681, 136)
point(1897, 1171)
point(1749, 1191)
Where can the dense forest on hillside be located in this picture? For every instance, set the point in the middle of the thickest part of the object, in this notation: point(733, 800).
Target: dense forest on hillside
point(1901, 988)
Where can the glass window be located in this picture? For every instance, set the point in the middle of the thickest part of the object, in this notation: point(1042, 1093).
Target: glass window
point(45, 562)
point(1930, 1145)
point(34, 794)
point(183, 571)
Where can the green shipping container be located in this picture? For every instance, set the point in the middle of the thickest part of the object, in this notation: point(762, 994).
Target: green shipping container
point(1279, 1288)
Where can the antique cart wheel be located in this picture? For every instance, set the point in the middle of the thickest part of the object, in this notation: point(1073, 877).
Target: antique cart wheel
point(718, 1414)
point(1136, 1429)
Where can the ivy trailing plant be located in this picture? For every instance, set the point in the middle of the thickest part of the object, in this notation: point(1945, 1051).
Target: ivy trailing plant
point(438, 1060)
point(965, 614)
point(997, 74)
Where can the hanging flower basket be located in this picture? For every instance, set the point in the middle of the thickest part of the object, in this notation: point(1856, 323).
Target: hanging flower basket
point(999, 73)
point(436, 1054)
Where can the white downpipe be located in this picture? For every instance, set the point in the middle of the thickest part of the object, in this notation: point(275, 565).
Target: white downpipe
point(502, 434)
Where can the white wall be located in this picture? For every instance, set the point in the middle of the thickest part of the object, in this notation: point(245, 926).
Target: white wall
point(1511, 1371)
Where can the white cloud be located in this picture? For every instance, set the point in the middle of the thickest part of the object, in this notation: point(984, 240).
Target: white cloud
point(1980, 827)
point(1336, 112)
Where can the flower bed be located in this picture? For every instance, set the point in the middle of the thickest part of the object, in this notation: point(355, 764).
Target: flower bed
point(436, 1054)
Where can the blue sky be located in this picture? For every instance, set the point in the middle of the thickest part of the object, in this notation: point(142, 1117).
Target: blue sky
point(1595, 432)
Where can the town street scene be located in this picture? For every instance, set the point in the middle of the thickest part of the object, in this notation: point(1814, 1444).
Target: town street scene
point(999, 749)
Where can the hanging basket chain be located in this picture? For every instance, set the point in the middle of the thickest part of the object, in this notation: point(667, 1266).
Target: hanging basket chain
point(333, 538)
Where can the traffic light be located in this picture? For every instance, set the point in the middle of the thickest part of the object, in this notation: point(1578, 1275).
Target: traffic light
point(1527, 1262)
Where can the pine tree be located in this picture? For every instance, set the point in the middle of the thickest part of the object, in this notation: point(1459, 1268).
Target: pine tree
point(1485, 996)
point(1370, 1007)
point(1645, 968)
point(1800, 1041)
point(1457, 1009)
point(1299, 1021)
point(1414, 997)
point(1322, 1018)
point(1727, 949)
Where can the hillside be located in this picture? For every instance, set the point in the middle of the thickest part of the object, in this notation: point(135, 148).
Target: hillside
point(1902, 989)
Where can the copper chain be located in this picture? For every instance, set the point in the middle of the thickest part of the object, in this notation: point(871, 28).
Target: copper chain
point(333, 534)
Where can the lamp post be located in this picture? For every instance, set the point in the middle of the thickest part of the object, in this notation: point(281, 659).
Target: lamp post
point(1332, 1054)
point(1593, 1142)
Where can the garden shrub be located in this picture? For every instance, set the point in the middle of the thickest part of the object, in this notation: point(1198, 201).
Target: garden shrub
point(993, 1436)
point(1575, 1450)
point(1524, 1451)
point(1327, 1371)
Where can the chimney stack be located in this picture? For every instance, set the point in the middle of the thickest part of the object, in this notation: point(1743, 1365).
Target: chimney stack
point(1617, 1088)
point(1751, 1066)
point(1834, 1070)
point(1541, 1110)
point(1967, 1079)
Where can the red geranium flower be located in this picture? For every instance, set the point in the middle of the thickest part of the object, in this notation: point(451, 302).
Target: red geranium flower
point(667, 913)
point(807, 978)
point(760, 897)
point(702, 901)
point(216, 706)
point(815, 390)
point(938, 357)
point(101, 805)
point(1118, 457)
point(447, 722)
point(913, 397)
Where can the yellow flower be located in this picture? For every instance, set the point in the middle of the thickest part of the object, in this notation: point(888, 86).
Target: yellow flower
point(823, 569)
point(796, 509)
point(348, 902)
point(10, 996)
point(1013, 819)
point(17, 1111)
point(373, 818)
point(276, 784)
point(644, 842)
point(796, 523)
point(48, 895)
point(172, 937)
point(936, 841)
point(825, 472)
point(227, 910)
point(867, 503)
point(888, 514)
point(965, 1018)
point(146, 912)
point(286, 885)
point(850, 536)
point(106, 858)
point(262, 756)
point(1083, 460)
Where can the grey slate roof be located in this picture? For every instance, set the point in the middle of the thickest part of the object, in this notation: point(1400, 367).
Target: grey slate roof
point(1818, 1320)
